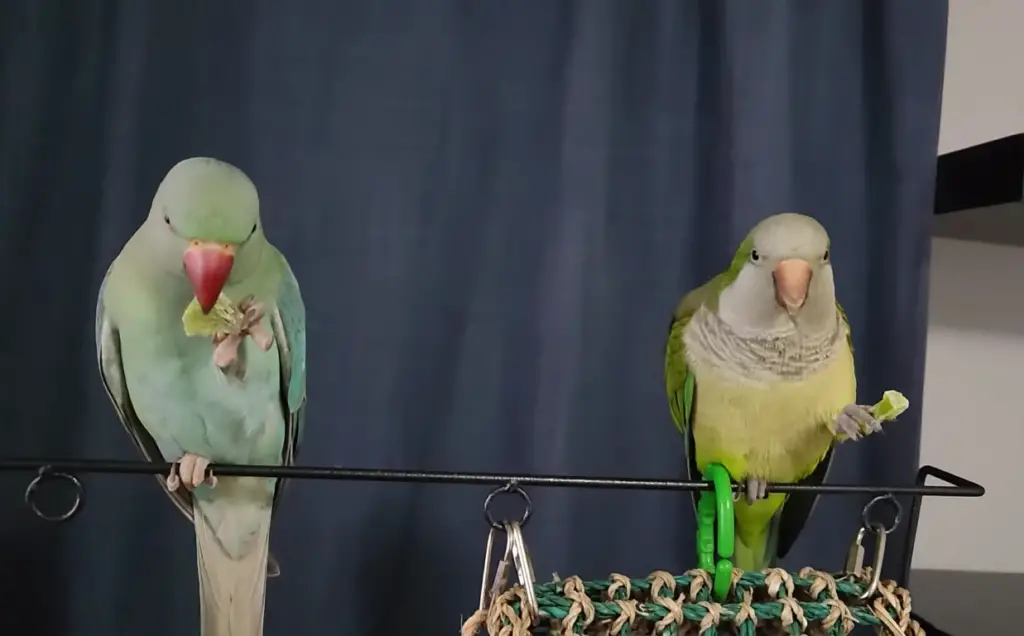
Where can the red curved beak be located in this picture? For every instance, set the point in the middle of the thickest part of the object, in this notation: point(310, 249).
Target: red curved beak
point(792, 279)
point(208, 266)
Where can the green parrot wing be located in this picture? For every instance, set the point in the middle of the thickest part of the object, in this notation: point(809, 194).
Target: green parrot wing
point(108, 356)
point(846, 323)
point(680, 381)
point(289, 325)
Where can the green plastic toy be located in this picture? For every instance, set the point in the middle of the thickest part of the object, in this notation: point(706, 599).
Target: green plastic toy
point(715, 550)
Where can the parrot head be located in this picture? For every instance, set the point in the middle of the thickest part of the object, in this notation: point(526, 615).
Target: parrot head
point(202, 225)
point(781, 276)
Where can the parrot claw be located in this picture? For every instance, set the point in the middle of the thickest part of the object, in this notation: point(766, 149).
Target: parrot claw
point(856, 421)
point(752, 490)
point(173, 482)
point(190, 470)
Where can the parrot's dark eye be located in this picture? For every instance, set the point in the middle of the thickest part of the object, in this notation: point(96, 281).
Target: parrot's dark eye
point(754, 256)
point(253, 230)
point(167, 219)
point(825, 257)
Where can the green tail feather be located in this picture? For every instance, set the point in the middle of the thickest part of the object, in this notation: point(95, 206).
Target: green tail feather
point(760, 553)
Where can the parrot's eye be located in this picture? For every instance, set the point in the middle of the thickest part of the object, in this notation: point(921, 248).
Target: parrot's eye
point(167, 220)
point(754, 256)
point(825, 257)
point(253, 230)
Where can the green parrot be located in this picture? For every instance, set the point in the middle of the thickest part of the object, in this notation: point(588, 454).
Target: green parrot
point(760, 378)
point(192, 400)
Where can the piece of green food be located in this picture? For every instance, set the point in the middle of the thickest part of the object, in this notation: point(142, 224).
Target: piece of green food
point(223, 318)
point(892, 405)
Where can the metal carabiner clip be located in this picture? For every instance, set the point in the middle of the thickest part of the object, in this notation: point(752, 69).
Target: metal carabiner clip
point(876, 562)
point(489, 592)
point(524, 567)
point(855, 555)
point(854, 569)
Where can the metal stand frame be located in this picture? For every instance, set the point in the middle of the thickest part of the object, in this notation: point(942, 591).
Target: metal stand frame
point(52, 470)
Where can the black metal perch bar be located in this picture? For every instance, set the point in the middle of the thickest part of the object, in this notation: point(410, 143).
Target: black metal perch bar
point(65, 469)
point(960, 487)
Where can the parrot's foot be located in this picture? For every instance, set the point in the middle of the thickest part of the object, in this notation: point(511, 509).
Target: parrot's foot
point(856, 421)
point(226, 345)
point(753, 489)
point(190, 471)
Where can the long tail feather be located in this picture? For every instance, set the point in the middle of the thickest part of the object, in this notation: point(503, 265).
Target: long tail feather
point(759, 551)
point(752, 558)
point(232, 540)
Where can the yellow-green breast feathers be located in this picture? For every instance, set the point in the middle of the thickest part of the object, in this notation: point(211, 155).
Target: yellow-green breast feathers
point(779, 431)
point(812, 402)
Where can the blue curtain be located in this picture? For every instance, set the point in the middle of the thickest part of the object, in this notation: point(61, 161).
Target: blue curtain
point(492, 209)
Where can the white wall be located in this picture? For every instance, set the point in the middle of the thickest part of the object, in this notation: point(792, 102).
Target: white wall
point(973, 409)
point(984, 49)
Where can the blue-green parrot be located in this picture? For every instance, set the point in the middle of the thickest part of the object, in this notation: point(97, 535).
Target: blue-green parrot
point(234, 398)
point(760, 378)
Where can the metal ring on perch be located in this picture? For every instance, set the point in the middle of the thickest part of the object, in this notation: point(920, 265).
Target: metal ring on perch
point(509, 488)
point(868, 522)
point(47, 474)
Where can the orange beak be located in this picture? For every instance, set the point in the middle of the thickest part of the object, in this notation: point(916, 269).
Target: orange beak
point(792, 279)
point(208, 266)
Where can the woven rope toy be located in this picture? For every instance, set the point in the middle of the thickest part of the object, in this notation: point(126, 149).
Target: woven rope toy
point(769, 602)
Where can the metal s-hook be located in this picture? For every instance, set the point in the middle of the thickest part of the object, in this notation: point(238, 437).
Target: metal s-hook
point(47, 474)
